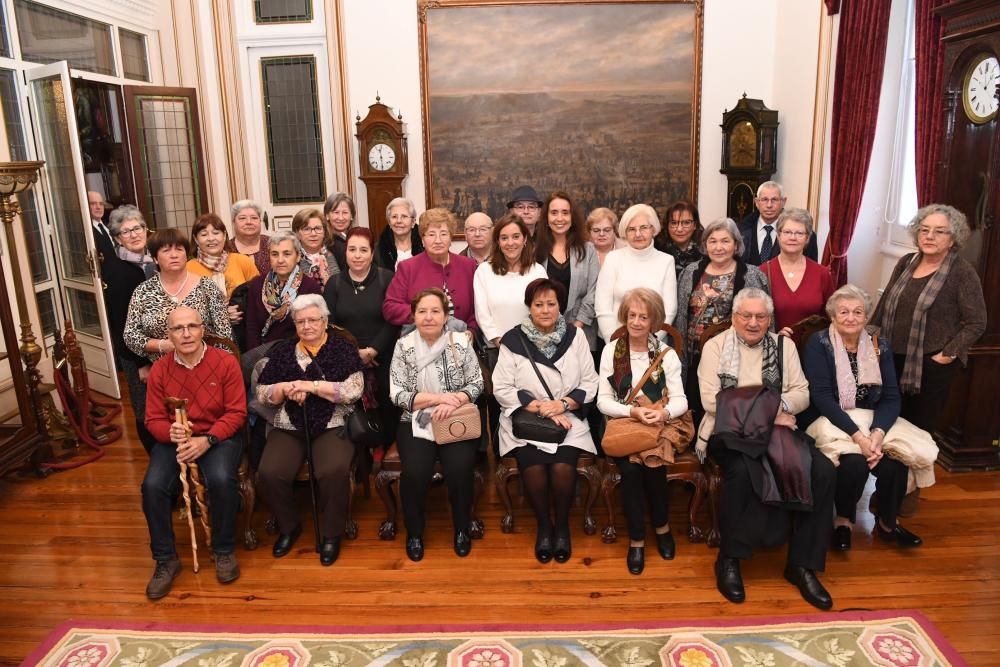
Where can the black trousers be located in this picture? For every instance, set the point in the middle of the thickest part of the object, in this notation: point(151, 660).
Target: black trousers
point(924, 409)
point(745, 522)
point(890, 486)
point(417, 457)
point(643, 486)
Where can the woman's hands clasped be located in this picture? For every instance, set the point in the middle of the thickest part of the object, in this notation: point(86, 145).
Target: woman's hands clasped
point(554, 410)
point(447, 404)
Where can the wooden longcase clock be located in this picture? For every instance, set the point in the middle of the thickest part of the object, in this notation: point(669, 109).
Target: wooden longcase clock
point(382, 154)
point(749, 152)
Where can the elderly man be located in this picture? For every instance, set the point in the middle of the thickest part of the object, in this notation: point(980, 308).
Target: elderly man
point(478, 232)
point(760, 240)
point(212, 382)
point(103, 240)
point(526, 203)
point(798, 487)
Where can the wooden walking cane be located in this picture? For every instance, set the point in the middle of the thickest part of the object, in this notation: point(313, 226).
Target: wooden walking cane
point(179, 406)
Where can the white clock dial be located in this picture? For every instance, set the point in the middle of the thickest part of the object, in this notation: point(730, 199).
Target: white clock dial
point(382, 157)
point(979, 91)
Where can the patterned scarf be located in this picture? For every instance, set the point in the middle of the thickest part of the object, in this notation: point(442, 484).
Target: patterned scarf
point(545, 342)
point(868, 370)
point(143, 261)
point(621, 377)
point(913, 368)
point(319, 266)
point(729, 361)
point(277, 300)
point(217, 265)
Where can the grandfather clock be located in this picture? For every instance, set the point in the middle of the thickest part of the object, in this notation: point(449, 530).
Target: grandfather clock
point(968, 177)
point(749, 152)
point(382, 153)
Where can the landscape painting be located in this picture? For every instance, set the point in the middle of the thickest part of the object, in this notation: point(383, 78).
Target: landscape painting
point(597, 99)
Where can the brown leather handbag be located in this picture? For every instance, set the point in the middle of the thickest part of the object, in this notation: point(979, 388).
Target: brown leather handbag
point(464, 422)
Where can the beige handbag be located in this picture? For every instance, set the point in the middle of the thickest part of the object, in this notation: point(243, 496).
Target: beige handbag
point(463, 423)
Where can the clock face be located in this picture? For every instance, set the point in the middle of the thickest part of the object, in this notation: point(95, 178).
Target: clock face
point(382, 157)
point(743, 145)
point(979, 89)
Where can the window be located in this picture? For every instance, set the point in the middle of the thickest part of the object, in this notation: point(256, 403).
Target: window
point(282, 11)
point(134, 60)
point(901, 197)
point(48, 35)
point(294, 139)
point(4, 37)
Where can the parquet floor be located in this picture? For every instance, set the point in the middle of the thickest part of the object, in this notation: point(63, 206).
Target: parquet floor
point(74, 545)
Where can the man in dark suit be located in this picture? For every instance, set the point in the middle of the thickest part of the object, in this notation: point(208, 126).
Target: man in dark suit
point(760, 237)
point(102, 236)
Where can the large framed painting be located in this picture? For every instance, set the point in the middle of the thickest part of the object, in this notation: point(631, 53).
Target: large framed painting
point(599, 99)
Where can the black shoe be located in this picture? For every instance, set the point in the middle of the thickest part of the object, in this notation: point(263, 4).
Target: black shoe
point(284, 542)
point(543, 546)
point(842, 538)
point(329, 550)
point(415, 548)
point(463, 543)
point(636, 559)
point(901, 536)
point(728, 579)
point(666, 546)
point(561, 547)
point(808, 584)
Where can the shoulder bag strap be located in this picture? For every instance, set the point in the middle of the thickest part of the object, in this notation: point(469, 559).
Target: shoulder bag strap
point(645, 376)
point(527, 351)
point(447, 376)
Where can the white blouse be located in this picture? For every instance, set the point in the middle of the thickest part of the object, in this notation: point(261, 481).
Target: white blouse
point(500, 299)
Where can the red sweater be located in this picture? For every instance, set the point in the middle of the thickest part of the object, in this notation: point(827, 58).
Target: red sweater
point(809, 299)
point(217, 400)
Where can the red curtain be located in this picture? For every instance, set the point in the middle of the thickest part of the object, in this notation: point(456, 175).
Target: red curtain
point(929, 97)
point(861, 43)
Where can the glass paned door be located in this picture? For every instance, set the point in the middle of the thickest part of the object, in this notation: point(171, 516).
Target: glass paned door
point(63, 181)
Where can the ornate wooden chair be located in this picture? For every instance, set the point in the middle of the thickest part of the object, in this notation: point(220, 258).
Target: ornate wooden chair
point(712, 470)
point(685, 468)
point(803, 330)
point(586, 467)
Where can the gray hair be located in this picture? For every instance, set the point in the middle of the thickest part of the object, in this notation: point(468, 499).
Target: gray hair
point(956, 220)
point(123, 214)
point(304, 301)
point(770, 184)
point(634, 212)
point(245, 203)
point(724, 224)
point(748, 293)
point(411, 210)
point(848, 292)
point(799, 215)
point(285, 235)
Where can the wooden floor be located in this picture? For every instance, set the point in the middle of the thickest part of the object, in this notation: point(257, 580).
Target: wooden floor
point(75, 545)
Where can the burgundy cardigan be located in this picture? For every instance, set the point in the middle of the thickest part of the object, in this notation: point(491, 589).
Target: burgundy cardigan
point(420, 272)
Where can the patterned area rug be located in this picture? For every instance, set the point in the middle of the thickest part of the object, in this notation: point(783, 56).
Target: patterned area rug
point(890, 639)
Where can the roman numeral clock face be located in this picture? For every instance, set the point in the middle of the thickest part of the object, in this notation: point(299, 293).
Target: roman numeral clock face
point(979, 91)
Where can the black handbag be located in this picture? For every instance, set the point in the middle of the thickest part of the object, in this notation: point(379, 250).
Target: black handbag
point(364, 427)
point(531, 425)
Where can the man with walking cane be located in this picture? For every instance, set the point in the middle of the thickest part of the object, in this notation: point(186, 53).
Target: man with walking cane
point(212, 382)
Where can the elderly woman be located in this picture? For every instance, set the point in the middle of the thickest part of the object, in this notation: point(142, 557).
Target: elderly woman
point(852, 385)
point(748, 355)
point(270, 296)
point(639, 264)
point(681, 239)
point(434, 371)
point(400, 240)
point(545, 368)
point(931, 312)
point(799, 286)
point(339, 212)
point(602, 231)
point(313, 380)
point(316, 262)
point(146, 327)
point(478, 230)
point(247, 236)
point(228, 270)
point(122, 273)
point(660, 398)
point(437, 267)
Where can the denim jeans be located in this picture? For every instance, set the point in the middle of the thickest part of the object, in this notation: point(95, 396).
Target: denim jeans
point(219, 467)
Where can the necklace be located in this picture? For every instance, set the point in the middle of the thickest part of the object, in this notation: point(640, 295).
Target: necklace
point(173, 295)
point(358, 285)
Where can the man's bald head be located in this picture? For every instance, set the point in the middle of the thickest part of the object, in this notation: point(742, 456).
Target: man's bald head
point(477, 232)
point(182, 314)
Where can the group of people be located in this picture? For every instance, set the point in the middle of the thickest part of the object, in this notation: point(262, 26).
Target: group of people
point(550, 323)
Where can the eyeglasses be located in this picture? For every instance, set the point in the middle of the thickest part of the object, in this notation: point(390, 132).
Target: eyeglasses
point(933, 233)
point(758, 317)
point(311, 321)
point(793, 234)
point(770, 200)
point(437, 236)
point(186, 328)
point(475, 231)
point(399, 218)
point(526, 206)
point(602, 230)
point(313, 230)
point(681, 223)
point(641, 229)
point(131, 231)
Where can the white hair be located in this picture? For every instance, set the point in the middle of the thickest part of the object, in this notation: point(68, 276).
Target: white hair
point(633, 212)
point(304, 301)
point(748, 293)
point(770, 184)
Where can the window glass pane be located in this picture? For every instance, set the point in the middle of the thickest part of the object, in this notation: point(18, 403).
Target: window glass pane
point(4, 39)
point(12, 115)
point(294, 141)
point(282, 11)
point(48, 35)
point(134, 60)
point(83, 312)
point(47, 311)
point(170, 169)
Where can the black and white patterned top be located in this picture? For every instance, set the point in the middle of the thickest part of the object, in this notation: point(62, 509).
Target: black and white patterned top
point(465, 376)
point(150, 306)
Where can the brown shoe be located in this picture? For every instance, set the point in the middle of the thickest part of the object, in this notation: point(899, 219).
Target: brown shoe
point(226, 568)
point(163, 578)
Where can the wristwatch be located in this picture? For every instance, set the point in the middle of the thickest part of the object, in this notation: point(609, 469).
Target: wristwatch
point(212, 440)
point(565, 405)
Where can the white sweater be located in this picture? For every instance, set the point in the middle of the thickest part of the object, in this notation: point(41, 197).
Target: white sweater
point(500, 299)
point(607, 400)
point(625, 269)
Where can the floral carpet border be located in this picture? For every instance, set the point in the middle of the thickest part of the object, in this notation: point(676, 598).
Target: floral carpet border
point(889, 638)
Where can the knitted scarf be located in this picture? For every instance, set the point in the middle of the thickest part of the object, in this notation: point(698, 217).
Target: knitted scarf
point(621, 376)
point(217, 265)
point(868, 370)
point(277, 300)
point(913, 368)
point(729, 361)
point(545, 342)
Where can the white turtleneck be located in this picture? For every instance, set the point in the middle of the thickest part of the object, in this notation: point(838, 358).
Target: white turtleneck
point(625, 269)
